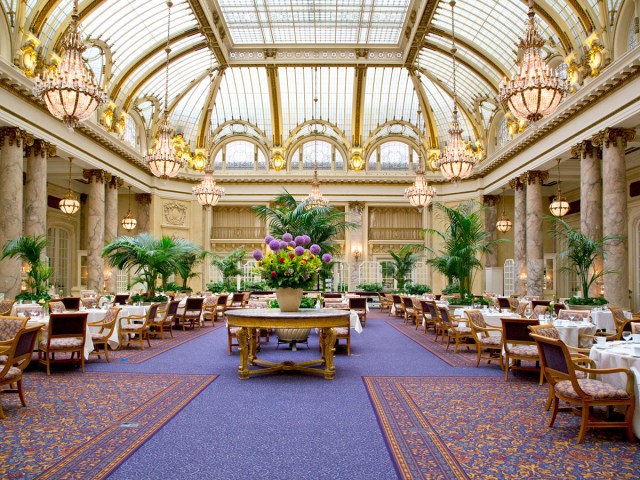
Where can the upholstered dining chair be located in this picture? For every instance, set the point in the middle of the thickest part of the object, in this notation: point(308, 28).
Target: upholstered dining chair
point(560, 370)
point(456, 332)
point(121, 298)
point(16, 356)
point(9, 328)
point(520, 308)
point(209, 309)
point(359, 305)
point(566, 314)
point(428, 318)
point(237, 299)
point(397, 304)
point(485, 342)
point(409, 311)
point(221, 307)
point(66, 333)
point(90, 302)
point(56, 306)
point(385, 306)
point(503, 303)
point(192, 312)
point(345, 334)
point(518, 345)
point(107, 325)
point(137, 325)
point(71, 303)
point(543, 303)
point(557, 307)
point(6, 306)
point(165, 319)
point(439, 327)
point(539, 310)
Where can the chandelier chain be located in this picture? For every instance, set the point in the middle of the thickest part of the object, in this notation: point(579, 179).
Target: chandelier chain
point(166, 66)
point(453, 53)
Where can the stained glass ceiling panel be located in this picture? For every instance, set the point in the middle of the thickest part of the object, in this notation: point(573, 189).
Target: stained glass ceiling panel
point(347, 22)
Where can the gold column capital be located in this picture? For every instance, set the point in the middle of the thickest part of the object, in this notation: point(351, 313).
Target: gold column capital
point(115, 182)
point(516, 184)
point(143, 198)
point(356, 207)
point(38, 148)
point(534, 176)
point(95, 175)
point(585, 149)
point(490, 200)
point(609, 135)
point(12, 135)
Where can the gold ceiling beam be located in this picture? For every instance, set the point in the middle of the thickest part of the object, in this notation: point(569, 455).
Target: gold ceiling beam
point(427, 112)
point(207, 30)
point(204, 123)
point(275, 103)
point(421, 30)
point(564, 39)
point(359, 84)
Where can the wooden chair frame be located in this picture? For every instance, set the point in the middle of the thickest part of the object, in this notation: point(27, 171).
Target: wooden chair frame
point(515, 331)
point(158, 325)
point(359, 305)
point(480, 331)
point(192, 312)
point(106, 330)
point(64, 325)
point(137, 325)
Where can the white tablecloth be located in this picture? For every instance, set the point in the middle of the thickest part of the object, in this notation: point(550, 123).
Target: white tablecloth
point(616, 357)
point(604, 319)
point(492, 318)
point(570, 332)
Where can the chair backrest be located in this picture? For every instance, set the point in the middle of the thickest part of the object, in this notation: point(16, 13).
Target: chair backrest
point(556, 361)
point(71, 303)
point(558, 306)
point(222, 299)
point(396, 300)
point(209, 302)
point(331, 295)
point(172, 309)
point(109, 319)
point(503, 302)
point(359, 303)
point(237, 298)
point(90, 302)
point(67, 325)
point(56, 307)
point(28, 310)
point(522, 306)
point(516, 330)
point(576, 314)
point(430, 307)
point(443, 312)
point(6, 306)
point(535, 303)
point(88, 293)
point(153, 311)
point(24, 347)
point(539, 310)
point(548, 331)
point(476, 319)
point(438, 296)
point(10, 326)
point(194, 303)
point(122, 298)
point(618, 317)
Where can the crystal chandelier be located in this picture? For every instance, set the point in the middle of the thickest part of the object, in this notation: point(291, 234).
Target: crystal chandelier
point(162, 159)
point(71, 93)
point(69, 203)
point(456, 161)
point(420, 194)
point(536, 90)
point(128, 222)
point(315, 198)
point(503, 224)
point(207, 192)
point(559, 207)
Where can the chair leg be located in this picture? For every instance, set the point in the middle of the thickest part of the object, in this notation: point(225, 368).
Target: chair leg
point(106, 351)
point(21, 393)
point(140, 335)
point(554, 412)
point(506, 368)
point(81, 355)
point(479, 352)
point(148, 339)
point(584, 423)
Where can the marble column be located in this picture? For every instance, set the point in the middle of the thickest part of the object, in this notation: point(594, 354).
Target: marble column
point(590, 199)
point(144, 212)
point(535, 252)
point(519, 235)
point(356, 210)
point(35, 190)
point(111, 221)
point(11, 143)
point(95, 229)
point(490, 219)
point(614, 196)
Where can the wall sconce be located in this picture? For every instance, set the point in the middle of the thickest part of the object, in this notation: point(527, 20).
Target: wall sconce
point(357, 253)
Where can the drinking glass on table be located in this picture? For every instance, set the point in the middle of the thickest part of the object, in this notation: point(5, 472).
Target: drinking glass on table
point(626, 336)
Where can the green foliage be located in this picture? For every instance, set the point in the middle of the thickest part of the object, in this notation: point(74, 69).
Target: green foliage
point(150, 258)
point(370, 287)
point(417, 289)
point(174, 287)
point(471, 301)
point(193, 257)
point(403, 262)
point(30, 250)
point(27, 296)
point(464, 241)
point(284, 269)
point(305, 302)
point(148, 298)
point(451, 288)
point(342, 287)
point(229, 266)
point(322, 225)
point(246, 286)
point(582, 253)
point(221, 287)
point(596, 301)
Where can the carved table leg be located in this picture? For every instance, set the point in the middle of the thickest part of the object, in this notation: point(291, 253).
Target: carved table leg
point(243, 350)
point(252, 344)
point(328, 347)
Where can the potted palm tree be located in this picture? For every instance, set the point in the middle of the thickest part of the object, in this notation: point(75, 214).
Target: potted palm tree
point(229, 267)
point(30, 250)
point(403, 262)
point(581, 253)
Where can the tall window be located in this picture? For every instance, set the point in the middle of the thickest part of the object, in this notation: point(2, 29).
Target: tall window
point(327, 155)
point(130, 134)
point(394, 156)
point(240, 155)
point(58, 251)
point(503, 133)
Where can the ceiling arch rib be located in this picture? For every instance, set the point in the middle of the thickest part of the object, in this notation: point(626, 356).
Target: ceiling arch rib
point(564, 23)
point(186, 109)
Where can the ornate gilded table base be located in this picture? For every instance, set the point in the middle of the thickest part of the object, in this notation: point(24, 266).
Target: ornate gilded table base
point(249, 321)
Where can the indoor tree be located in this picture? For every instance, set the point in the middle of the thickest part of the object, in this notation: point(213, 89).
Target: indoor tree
point(30, 250)
point(229, 266)
point(464, 241)
point(404, 260)
point(582, 252)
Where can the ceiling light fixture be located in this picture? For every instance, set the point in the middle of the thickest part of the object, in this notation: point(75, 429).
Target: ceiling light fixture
point(70, 92)
point(559, 207)
point(456, 161)
point(162, 159)
point(503, 224)
point(207, 192)
point(420, 194)
point(69, 203)
point(536, 90)
point(129, 222)
point(315, 198)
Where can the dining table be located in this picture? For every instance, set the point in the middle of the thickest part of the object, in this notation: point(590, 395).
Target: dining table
point(620, 354)
point(604, 319)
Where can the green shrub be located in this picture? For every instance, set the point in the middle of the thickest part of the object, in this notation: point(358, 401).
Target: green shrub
point(27, 297)
point(253, 286)
point(174, 287)
point(449, 289)
point(370, 287)
point(596, 301)
point(416, 288)
point(220, 287)
point(305, 302)
point(143, 298)
point(471, 301)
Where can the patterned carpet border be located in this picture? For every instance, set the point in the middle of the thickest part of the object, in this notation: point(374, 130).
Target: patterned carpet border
point(86, 425)
point(484, 428)
point(464, 357)
point(133, 354)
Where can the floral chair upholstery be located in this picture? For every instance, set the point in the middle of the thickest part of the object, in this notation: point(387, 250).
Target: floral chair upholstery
point(9, 328)
point(66, 333)
point(209, 308)
point(520, 308)
point(560, 371)
point(567, 314)
point(107, 325)
point(6, 306)
point(539, 310)
point(485, 342)
point(164, 322)
point(56, 307)
point(90, 302)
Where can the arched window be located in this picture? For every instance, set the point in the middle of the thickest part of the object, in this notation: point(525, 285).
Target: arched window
point(394, 156)
point(633, 38)
point(94, 57)
point(326, 154)
point(240, 155)
point(130, 134)
point(502, 136)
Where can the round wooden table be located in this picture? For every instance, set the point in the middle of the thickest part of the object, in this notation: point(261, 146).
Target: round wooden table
point(250, 320)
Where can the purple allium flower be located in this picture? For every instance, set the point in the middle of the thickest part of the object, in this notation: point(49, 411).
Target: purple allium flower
point(299, 251)
point(307, 239)
point(292, 244)
point(268, 239)
point(299, 240)
point(326, 258)
point(283, 244)
point(257, 255)
point(274, 245)
point(315, 249)
point(287, 237)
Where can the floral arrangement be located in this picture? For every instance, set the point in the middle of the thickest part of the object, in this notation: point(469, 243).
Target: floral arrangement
point(289, 264)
